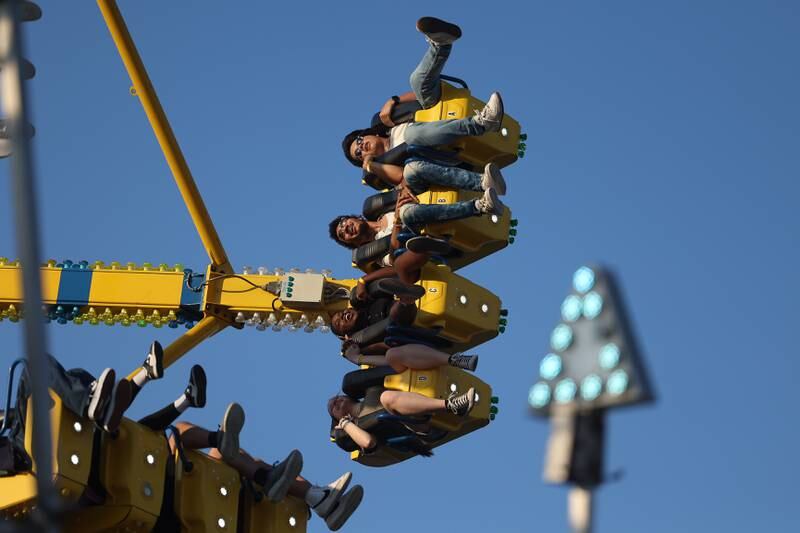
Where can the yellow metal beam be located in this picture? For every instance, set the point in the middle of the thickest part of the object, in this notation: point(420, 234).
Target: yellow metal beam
point(166, 138)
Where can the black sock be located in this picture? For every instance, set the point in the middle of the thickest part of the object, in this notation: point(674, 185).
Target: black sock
point(134, 390)
point(162, 418)
point(213, 439)
point(260, 476)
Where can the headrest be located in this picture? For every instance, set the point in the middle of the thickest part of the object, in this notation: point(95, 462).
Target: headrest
point(356, 383)
point(400, 335)
point(400, 113)
point(372, 250)
point(379, 204)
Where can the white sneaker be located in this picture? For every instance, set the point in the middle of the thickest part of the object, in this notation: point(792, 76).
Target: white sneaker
point(335, 490)
point(232, 424)
point(489, 203)
point(348, 504)
point(493, 179)
point(154, 362)
point(491, 116)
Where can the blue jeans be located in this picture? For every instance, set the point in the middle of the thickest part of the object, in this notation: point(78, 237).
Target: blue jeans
point(414, 216)
point(422, 175)
point(427, 87)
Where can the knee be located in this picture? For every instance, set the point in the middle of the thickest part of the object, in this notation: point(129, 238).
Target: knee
point(389, 399)
point(213, 452)
point(394, 356)
point(412, 174)
point(183, 427)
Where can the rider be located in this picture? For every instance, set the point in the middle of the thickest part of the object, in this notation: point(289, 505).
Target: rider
point(329, 502)
point(360, 146)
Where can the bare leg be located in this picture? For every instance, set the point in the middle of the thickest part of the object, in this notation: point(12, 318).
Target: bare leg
point(416, 356)
point(196, 438)
point(410, 403)
point(408, 266)
point(299, 486)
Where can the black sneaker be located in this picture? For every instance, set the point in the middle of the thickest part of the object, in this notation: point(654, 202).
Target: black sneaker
point(398, 288)
point(428, 245)
point(196, 391)
point(281, 476)
point(120, 400)
point(100, 395)
point(348, 504)
point(465, 362)
point(154, 362)
point(334, 492)
point(461, 404)
point(228, 434)
point(438, 31)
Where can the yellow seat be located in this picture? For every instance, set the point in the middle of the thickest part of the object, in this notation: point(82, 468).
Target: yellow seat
point(72, 444)
point(437, 383)
point(467, 314)
point(206, 497)
point(287, 516)
point(458, 103)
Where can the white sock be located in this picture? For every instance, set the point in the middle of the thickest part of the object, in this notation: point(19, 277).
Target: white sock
point(141, 378)
point(182, 403)
point(315, 495)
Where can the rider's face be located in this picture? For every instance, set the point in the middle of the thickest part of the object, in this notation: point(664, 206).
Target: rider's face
point(366, 145)
point(344, 321)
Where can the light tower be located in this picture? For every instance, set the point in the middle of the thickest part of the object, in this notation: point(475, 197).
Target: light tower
point(592, 364)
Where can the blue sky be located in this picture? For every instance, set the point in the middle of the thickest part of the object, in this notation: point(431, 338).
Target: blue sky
point(663, 142)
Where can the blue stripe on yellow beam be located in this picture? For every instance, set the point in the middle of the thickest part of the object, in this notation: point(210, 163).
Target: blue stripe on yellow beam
point(74, 287)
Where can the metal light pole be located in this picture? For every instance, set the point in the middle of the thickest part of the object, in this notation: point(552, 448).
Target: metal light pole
point(23, 197)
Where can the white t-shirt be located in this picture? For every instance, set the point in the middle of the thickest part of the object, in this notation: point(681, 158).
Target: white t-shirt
point(387, 219)
point(397, 135)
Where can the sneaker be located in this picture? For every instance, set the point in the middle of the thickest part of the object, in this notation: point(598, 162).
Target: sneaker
point(196, 390)
point(466, 362)
point(121, 399)
point(228, 434)
point(100, 395)
point(334, 490)
point(461, 404)
point(438, 31)
point(154, 362)
point(428, 245)
point(281, 476)
point(489, 203)
point(491, 116)
point(397, 288)
point(493, 179)
point(348, 504)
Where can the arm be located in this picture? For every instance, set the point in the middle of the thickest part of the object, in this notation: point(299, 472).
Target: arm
point(354, 354)
point(362, 438)
point(386, 111)
point(403, 313)
point(391, 174)
point(361, 287)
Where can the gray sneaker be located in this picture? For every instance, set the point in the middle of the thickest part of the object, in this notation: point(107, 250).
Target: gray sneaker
point(438, 31)
point(489, 203)
point(228, 435)
point(335, 490)
point(461, 404)
point(465, 362)
point(348, 504)
point(281, 476)
point(491, 116)
point(493, 179)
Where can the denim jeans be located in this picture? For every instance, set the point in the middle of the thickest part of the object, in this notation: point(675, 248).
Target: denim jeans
point(414, 216)
point(427, 87)
point(422, 175)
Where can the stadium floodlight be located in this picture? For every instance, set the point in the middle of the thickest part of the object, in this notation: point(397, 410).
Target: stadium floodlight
point(592, 361)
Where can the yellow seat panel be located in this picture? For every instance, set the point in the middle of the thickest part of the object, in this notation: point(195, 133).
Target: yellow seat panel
point(495, 147)
point(207, 497)
point(287, 516)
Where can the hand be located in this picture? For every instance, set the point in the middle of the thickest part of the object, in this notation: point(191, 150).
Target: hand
point(351, 351)
point(346, 419)
point(386, 112)
point(366, 161)
point(404, 196)
point(361, 291)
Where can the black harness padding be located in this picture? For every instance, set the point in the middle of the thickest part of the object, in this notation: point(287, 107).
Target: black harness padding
point(372, 250)
point(356, 383)
point(372, 333)
point(397, 335)
point(379, 204)
point(400, 113)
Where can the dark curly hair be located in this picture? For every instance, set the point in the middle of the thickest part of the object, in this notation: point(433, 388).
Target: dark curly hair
point(350, 137)
point(334, 224)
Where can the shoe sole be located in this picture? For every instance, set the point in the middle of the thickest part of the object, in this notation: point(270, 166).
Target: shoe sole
point(232, 424)
point(495, 179)
point(197, 384)
point(338, 488)
point(157, 353)
point(398, 288)
point(428, 245)
point(294, 465)
point(120, 401)
point(348, 503)
point(497, 206)
point(431, 26)
point(101, 395)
